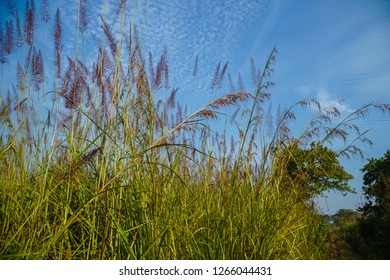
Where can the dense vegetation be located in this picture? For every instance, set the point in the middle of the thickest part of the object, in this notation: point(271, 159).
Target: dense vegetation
point(367, 230)
point(96, 164)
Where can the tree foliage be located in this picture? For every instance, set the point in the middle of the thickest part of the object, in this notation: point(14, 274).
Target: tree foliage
point(344, 217)
point(316, 170)
point(377, 186)
point(375, 223)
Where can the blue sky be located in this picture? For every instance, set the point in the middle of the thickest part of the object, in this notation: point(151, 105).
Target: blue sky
point(328, 49)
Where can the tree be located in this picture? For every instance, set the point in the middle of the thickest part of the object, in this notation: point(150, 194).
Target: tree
point(375, 223)
point(316, 170)
point(344, 217)
point(376, 188)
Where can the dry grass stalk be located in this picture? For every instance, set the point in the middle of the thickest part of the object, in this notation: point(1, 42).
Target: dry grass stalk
point(110, 37)
point(224, 101)
point(196, 66)
point(29, 22)
point(45, 11)
point(9, 37)
point(57, 43)
point(3, 57)
point(84, 16)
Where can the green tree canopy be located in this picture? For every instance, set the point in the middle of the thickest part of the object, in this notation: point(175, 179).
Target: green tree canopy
point(374, 225)
point(376, 188)
point(316, 170)
point(344, 217)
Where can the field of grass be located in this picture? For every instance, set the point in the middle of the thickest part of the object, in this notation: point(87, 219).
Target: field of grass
point(94, 165)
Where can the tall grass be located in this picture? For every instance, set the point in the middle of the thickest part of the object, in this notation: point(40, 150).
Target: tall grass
point(107, 170)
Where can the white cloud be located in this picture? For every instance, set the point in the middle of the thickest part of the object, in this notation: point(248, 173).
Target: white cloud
point(323, 96)
point(210, 28)
point(326, 101)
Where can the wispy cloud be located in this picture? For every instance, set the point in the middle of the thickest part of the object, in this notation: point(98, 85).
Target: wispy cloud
point(343, 50)
point(324, 97)
point(356, 55)
point(210, 28)
point(362, 65)
point(326, 100)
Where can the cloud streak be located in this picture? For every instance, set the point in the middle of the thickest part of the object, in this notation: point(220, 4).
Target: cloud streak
point(210, 28)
